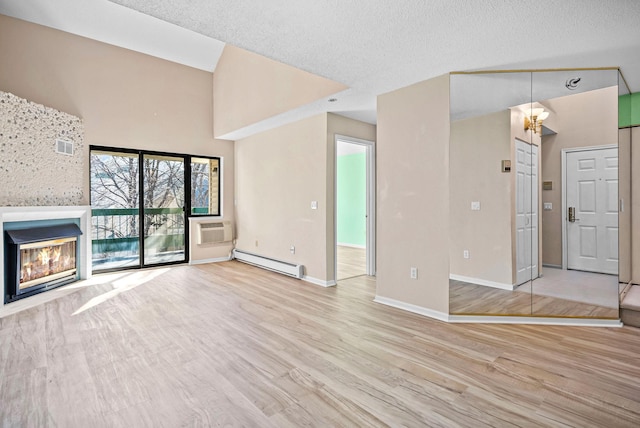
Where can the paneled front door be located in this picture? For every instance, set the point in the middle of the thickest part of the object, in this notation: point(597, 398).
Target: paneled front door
point(592, 210)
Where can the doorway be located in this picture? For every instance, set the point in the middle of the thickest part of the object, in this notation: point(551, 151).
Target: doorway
point(526, 212)
point(354, 208)
point(590, 229)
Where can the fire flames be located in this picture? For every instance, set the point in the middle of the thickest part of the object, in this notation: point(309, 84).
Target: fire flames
point(51, 258)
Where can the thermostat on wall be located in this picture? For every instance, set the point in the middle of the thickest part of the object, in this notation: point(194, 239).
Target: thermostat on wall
point(506, 165)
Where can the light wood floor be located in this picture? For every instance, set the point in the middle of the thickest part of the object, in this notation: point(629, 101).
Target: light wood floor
point(472, 299)
point(229, 344)
point(351, 262)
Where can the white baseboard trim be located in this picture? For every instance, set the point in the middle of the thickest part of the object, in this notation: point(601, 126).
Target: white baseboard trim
point(319, 282)
point(412, 308)
point(205, 261)
point(484, 282)
point(579, 322)
point(342, 244)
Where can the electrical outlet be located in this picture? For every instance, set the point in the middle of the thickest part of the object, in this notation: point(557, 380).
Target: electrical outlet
point(292, 249)
point(465, 254)
point(475, 206)
point(414, 273)
point(314, 205)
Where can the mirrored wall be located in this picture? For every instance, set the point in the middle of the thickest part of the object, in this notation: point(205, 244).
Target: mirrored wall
point(534, 199)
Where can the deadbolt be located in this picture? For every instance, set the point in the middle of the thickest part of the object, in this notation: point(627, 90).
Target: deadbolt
point(572, 215)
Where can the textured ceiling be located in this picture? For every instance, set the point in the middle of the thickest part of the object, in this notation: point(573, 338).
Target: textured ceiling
point(386, 44)
point(378, 46)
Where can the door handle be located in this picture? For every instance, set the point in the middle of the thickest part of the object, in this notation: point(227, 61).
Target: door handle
point(572, 215)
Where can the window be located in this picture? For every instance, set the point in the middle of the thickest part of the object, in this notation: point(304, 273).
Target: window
point(205, 186)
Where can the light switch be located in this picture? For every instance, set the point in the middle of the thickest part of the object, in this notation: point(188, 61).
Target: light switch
point(314, 205)
point(548, 206)
point(475, 206)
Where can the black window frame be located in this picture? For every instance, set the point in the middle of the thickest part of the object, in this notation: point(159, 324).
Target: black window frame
point(187, 197)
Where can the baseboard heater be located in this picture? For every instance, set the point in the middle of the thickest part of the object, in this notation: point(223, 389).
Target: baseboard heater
point(279, 266)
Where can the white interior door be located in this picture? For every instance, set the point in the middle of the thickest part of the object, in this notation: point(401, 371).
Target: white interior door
point(592, 191)
point(526, 212)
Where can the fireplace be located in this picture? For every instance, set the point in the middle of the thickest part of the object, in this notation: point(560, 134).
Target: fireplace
point(39, 259)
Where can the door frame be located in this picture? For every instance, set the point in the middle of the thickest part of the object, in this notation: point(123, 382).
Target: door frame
point(371, 201)
point(563, 172)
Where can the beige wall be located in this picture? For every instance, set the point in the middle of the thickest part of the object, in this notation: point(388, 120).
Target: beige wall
point(478, 145)
point(413, 195)
point(279, 172)
point(340, 125)
point(249, 88)
point(126, 99)
point(581, 120)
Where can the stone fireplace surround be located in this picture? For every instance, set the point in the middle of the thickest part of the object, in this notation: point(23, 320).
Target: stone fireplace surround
point(82, 213)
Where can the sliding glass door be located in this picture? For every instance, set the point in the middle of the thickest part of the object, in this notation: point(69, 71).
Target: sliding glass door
point(164, 209)
point(115, 210)
point(140, 201)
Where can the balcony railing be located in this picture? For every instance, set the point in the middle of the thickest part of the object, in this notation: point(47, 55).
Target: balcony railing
point(115, 231)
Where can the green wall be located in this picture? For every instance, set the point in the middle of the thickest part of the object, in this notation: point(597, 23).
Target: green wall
point(352, 199)
point(629, 110)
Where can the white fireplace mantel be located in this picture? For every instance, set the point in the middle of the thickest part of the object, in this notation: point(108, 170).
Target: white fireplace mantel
point(83, 213)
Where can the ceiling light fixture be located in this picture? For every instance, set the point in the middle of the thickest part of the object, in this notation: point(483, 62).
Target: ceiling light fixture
point(533, 118)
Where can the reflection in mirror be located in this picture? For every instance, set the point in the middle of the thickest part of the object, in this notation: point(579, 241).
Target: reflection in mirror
point(482, 193)
point(579, 233)
point(524, 148)
point(624, 187)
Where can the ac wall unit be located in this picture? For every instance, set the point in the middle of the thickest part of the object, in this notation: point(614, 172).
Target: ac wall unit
point(215, 232)
point(291, 269)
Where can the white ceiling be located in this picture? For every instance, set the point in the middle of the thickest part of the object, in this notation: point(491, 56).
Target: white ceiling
point(373, 47)
point(110, 23)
